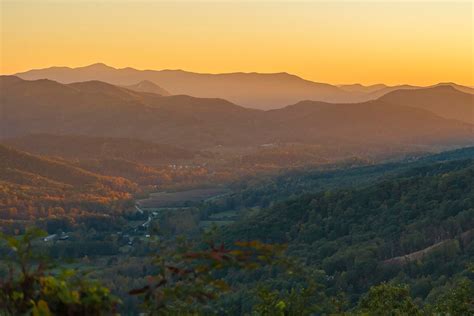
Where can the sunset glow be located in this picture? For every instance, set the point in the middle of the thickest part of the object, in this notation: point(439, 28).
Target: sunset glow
point(335, 42)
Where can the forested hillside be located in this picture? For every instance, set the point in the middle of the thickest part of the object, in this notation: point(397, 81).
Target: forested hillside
point(267, 190)
point(84, 147)
point(35, 188)
point(332, 235)
point(352, 233)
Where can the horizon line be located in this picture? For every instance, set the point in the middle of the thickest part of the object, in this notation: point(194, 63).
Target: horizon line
point(470, 85)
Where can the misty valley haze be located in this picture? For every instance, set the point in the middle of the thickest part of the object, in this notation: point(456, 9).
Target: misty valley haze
point(391, 116)
point(253, 90)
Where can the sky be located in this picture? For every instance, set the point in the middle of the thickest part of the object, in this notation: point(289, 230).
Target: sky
point(338, 42)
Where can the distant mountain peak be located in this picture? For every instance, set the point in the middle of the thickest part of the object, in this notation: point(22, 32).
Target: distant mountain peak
point(146, 83)
point(448, 85)
point(97, 66)
point(455, 86)
point(148, 86)
point(444, 86)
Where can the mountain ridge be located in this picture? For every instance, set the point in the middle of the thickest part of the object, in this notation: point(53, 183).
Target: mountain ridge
point(248, 89)
point(85, 109)
point(148, 86)
point(254, 90)
point(444, 100)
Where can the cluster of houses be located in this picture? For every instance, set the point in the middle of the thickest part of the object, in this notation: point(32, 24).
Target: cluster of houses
point(126, 237)
point(131, 233)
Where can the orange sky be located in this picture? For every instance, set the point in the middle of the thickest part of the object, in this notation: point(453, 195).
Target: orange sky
point(336, 41)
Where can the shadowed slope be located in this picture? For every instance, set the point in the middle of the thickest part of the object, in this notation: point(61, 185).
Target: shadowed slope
point(85, 147)
point(100, 109)
point(444, 100)
point(13, 160)
point(148, 86)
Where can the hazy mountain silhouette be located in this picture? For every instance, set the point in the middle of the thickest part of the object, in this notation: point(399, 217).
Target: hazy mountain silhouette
point(456, 86)
point(254, 90)
point(443, 100)
point(358, 88)
point(381, 92)
point(362, 93)
point(377, 91)
point(373, 121)
point(100, 109)
point(148, 86)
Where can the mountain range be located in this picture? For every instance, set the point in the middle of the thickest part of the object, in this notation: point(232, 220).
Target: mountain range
point(443, 100)
point(252, 90)
point(94, 108)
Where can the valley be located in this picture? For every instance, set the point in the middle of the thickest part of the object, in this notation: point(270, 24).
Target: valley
point(296, 207)
point(351, 196)
point(236, 158)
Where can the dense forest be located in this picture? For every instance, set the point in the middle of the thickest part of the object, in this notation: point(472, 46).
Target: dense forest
point(415, 227)
point(36, 188)
point(51, 191)
point(346, 238)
